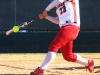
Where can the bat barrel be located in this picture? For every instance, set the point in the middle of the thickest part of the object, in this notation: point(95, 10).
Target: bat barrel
point(9, 32)
point(22, 25)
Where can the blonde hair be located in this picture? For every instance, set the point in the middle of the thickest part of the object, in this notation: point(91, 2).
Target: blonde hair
point(72, 0)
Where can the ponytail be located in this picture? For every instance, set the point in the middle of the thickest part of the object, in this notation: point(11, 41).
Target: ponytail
point(72, 0)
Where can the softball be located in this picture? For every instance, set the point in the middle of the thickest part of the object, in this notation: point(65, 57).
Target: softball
point(15, 29)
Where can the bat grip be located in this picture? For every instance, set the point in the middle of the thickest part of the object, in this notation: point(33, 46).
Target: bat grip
point(36, 18)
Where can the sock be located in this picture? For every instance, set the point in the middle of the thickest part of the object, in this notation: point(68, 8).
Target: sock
point(48, 59)
point(81, 60)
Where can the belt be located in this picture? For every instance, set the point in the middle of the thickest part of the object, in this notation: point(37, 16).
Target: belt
point(70, 22)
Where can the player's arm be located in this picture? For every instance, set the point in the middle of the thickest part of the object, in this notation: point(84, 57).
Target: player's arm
point(54, 4)
point(49, 7)
point(53, 19)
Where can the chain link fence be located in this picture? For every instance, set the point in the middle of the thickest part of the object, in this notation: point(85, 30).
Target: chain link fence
point(14, 12)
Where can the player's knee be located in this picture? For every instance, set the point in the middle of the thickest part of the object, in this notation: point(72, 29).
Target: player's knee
point(70, 57)
point(53, 49)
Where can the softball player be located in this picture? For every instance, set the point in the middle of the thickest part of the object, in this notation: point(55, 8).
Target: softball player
point(69, 21)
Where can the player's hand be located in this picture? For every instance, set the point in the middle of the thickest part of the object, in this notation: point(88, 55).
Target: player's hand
point(43, 15)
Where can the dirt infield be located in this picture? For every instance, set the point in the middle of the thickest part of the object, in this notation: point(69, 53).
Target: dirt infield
point(25, 63)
